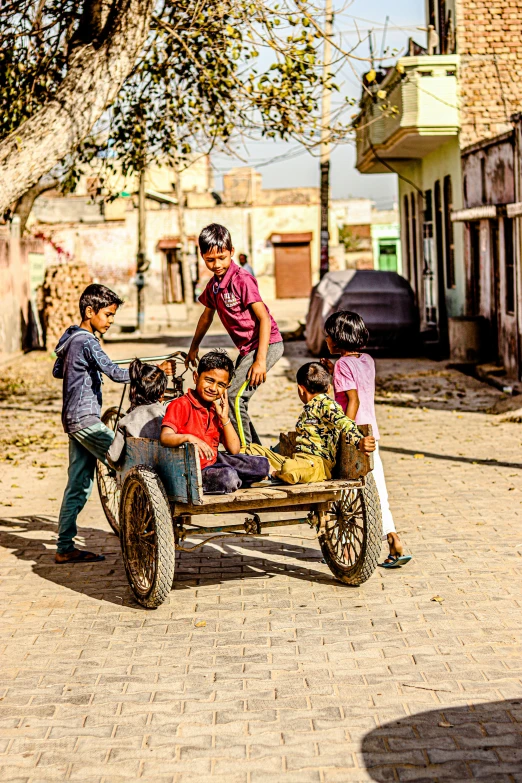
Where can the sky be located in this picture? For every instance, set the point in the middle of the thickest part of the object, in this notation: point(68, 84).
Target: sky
point(297, 168)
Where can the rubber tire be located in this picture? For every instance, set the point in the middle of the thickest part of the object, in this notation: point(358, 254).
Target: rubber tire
point(367, 561)
point(165, 561)
point(108, 418)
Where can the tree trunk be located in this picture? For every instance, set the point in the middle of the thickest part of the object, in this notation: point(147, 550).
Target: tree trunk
point(95, 76)
point(25, 203)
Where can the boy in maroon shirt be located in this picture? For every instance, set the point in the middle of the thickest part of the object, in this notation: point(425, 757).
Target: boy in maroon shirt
point(201, 417)
point(235, 295)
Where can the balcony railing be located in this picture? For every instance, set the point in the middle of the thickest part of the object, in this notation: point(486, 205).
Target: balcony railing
point(413, 111)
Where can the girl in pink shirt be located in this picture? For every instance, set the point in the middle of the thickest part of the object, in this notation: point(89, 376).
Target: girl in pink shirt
point(354, 387)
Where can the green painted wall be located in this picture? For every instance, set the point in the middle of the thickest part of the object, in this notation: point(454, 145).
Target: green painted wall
point(424, 173)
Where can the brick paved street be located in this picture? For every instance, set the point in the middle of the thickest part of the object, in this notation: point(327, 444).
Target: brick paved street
point(260, 666)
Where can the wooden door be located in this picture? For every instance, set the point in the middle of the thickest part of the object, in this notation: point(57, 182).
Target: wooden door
point(293, 270)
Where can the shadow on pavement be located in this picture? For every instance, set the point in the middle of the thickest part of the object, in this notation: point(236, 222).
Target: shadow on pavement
point(481, 741)
point(494, 463)
point(106, 581)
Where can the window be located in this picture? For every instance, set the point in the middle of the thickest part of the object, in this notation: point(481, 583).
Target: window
point(448, 233)
point(428, 209)
point(406, 235)
point(509, 266)
point(439, 236)
point(474, 271)
point(413, 206)
point(483, 179)
point(428, 257)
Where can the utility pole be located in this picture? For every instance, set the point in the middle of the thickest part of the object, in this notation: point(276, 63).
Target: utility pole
point(186, 275)
point(325, 138)
point(141, 258)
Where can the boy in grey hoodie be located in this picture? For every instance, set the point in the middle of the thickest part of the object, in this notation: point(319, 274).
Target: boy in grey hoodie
point(80, 361)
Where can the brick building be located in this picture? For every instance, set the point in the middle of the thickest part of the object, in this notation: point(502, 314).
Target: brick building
point(447, 131)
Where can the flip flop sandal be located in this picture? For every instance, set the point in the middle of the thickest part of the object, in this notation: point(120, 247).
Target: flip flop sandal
point(83, 557)
point(392, 561)
point(403, 559)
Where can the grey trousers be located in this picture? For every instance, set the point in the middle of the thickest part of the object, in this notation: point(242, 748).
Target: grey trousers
point(239, 393)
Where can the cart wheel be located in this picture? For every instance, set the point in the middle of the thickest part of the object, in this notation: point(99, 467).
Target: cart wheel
point(352, 534)
point(147, 536)
point(108, 489)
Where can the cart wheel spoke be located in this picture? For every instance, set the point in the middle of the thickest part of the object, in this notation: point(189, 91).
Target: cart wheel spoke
point(351, 540)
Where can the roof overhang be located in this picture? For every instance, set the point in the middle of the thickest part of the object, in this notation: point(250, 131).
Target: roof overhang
point(404, 145)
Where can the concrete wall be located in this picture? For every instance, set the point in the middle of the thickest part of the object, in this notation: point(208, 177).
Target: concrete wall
point(109, 248)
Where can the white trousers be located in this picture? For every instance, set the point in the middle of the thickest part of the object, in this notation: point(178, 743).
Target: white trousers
point(388, 525)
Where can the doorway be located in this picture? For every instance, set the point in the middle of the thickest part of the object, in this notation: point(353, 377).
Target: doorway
point(441, 287)
point(292, 265)
point(474, 271)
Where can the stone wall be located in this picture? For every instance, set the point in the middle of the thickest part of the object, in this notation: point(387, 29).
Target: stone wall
point(489, 43)
point(59, 298)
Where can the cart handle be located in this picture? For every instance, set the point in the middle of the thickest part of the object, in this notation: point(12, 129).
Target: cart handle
point(174, 355)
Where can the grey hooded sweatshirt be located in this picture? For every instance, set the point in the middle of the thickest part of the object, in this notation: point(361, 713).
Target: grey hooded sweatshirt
point(80, 361)
point(143, 422)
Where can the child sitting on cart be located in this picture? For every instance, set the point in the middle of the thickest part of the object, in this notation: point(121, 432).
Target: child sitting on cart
point(202, 417)
point(143, 419)
point(318, 430)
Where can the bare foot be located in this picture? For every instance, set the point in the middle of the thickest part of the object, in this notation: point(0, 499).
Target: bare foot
point(78, 556)
point(395, 544)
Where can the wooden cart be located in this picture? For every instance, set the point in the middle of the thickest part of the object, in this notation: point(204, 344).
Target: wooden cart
point(155, 496)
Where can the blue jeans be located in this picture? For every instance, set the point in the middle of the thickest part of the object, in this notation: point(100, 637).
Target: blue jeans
point(85, 447)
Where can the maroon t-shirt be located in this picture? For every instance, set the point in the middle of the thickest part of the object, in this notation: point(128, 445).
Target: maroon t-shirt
point(231, 298)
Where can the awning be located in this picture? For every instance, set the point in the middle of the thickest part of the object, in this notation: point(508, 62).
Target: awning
point(291, 239)
point(161, 198)
point(476, 213)
point(173, 242)
point(514, 210)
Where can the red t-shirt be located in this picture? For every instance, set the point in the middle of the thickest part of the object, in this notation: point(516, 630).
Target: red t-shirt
point(188, 416)
point(231, 297)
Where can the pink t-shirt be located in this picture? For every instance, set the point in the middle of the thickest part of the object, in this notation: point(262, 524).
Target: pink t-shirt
point(357, 372)
point(231, 298)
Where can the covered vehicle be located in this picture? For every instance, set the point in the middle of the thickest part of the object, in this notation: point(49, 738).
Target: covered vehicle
point(384, 300)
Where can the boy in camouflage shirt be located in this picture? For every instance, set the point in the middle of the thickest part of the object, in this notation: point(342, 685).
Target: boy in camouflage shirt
point(318, 430)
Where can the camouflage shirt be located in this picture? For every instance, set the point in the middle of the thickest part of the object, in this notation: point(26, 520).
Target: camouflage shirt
point(319, 428)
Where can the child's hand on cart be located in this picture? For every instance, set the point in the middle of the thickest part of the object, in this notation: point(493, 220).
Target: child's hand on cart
point(367, 445)
point(205, 449)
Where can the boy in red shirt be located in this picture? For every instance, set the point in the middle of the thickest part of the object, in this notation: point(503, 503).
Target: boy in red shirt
point(201, 416)
point(235, 295)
